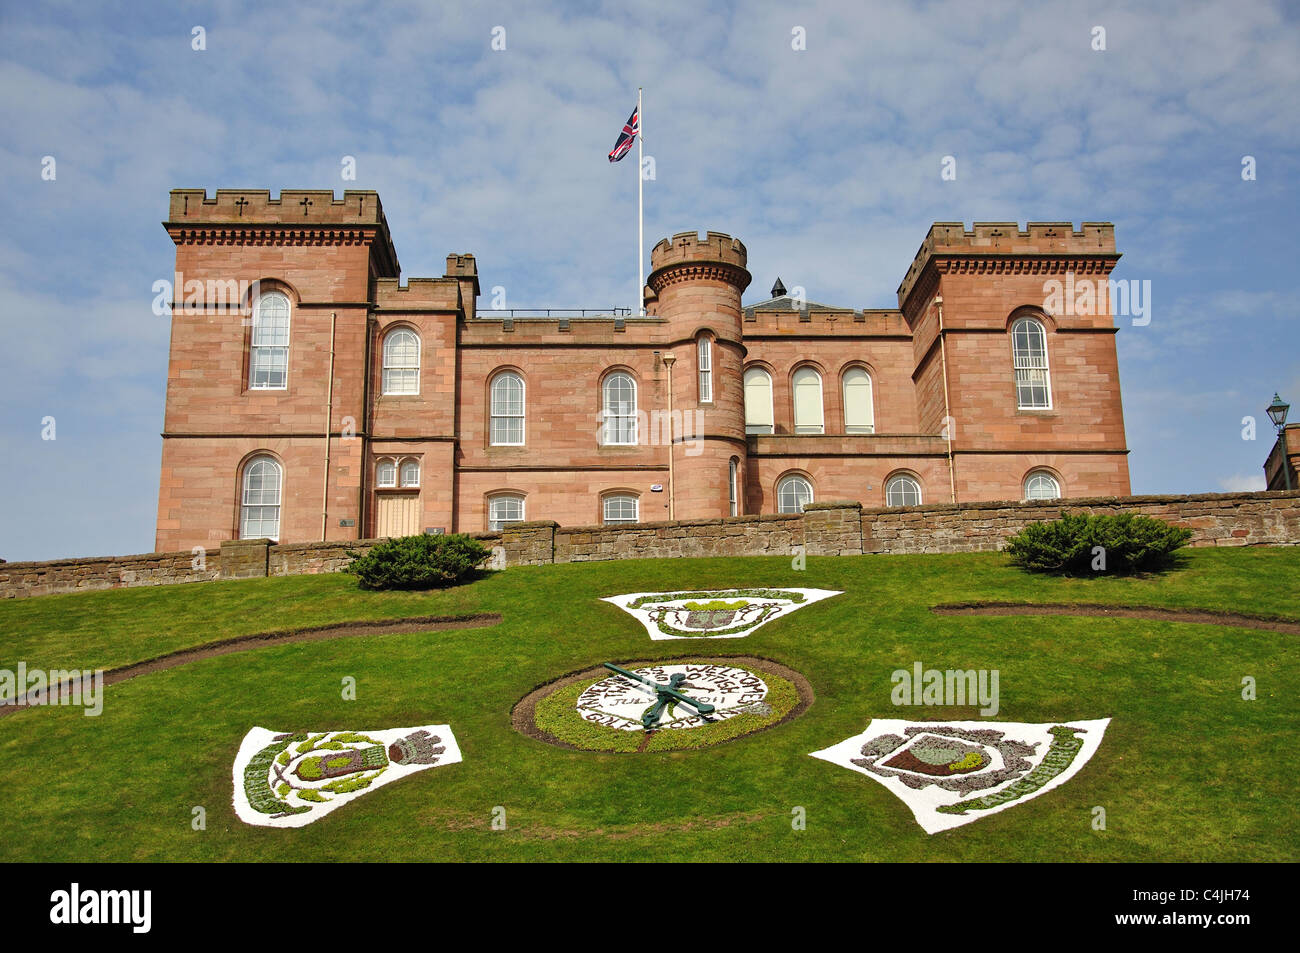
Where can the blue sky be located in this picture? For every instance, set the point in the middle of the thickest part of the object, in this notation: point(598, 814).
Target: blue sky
point(824, 161)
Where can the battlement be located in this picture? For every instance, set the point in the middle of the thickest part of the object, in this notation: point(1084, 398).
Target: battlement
point(417, 294)
point(689, 247)
point(1051, 239)
point(256, 207)
point(192, 215)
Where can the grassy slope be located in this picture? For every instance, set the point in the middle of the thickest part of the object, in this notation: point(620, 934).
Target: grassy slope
point(1188, 771)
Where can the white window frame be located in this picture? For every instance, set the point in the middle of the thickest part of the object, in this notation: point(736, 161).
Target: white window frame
point(497, 413)
point(897, 480)
point(788, 481)
point(389, 365)
point(277, 354)
point(704, 355)
point(382, 465)
point(496, 524)
point(261, 505)
point(1035, 475)
point(755, 428)
point(618, 422)
point(620, 498)
point(733, 486)
point(1029, 366)
point(870, 426)
point(807, 427)
point(401, 474)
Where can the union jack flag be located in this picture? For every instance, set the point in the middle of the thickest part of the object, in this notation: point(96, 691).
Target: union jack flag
point(629, 133)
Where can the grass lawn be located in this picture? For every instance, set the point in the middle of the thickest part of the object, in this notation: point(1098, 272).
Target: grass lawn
point(1187, 771)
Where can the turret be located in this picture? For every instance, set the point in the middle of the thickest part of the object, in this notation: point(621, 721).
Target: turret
point(697, 285)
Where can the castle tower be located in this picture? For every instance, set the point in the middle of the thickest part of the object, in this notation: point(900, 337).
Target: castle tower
point(698, 283)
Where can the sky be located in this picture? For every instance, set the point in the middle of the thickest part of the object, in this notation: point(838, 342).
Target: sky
point(824, 160)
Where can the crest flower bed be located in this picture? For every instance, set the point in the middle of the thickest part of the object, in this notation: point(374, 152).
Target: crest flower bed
point(713, 613)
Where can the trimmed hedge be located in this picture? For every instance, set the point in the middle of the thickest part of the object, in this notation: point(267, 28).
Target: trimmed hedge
point(1069, 545)
point(426, 561)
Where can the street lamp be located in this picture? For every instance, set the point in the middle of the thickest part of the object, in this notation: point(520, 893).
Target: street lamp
point(669, 360)
point(1277, 413)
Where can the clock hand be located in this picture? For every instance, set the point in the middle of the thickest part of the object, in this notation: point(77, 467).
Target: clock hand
point(664, 693)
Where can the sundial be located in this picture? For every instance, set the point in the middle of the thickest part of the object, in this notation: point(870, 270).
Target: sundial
point(678, 703)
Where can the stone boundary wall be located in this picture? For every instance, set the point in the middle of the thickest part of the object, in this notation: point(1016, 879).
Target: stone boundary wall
point(824, 529)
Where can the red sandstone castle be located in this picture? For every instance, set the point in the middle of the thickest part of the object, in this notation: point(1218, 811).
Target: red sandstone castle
point(311, 395)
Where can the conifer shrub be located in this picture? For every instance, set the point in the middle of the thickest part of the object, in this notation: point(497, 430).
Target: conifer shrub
point(1069, 545)
point(426, 561)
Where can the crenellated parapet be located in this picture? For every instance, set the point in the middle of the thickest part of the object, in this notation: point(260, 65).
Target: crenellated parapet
point(688, 257)
point(1005, 247)
point(296, 217)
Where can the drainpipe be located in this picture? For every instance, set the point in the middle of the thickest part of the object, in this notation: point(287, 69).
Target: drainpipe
point(329, 420)
point(947, 413)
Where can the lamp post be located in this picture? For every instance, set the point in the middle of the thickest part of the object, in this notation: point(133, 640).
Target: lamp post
point(1277, 413)
point(669, 360)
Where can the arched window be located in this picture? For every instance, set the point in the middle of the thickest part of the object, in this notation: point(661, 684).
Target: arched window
point(1029, 355)
point(758, 401)
point(410, 473)
point(259, 514)
point(733, 486)
point(620, 508)
point(792, 494)
point(902, 490)
point(503, 510)
point(859, 410)
point(619, 391)
point(1041, 485)
point(402, 362)
point(705, 352)
point(268, 359)
point(807, 401)
point(507, 400)
point(386, 473)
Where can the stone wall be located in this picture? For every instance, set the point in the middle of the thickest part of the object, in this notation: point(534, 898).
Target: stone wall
point(824, 529)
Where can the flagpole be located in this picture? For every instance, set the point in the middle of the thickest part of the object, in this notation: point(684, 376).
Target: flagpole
point(640, 211)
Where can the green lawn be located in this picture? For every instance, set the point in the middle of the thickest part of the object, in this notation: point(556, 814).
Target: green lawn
point(1187, 770)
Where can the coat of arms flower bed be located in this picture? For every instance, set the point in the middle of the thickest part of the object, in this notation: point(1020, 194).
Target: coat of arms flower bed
point(289, 779)
point(953, 773)
point(713, 613)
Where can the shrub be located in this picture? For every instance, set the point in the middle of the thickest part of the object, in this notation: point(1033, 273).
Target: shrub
point(418, 562)
point(1131, 543)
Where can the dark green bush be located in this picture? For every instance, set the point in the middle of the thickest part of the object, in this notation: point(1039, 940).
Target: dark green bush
point(1067, 545)
point(418, 562)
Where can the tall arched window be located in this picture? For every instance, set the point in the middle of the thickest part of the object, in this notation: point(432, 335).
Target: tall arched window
point(1041, 485)
point(619, 395)
point(859, 409)
point(410, 473)
point(1029, 355)
point(507, 410)
point(401, 362)
point(793, 493)
point(902, 490)
point(807, 385)
point(503, 510)
point(619, 508)
point(268, 359)
point(386, 473)
point(704, 350)
point(733, 486)
point(758, 401)
point(259, 514)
